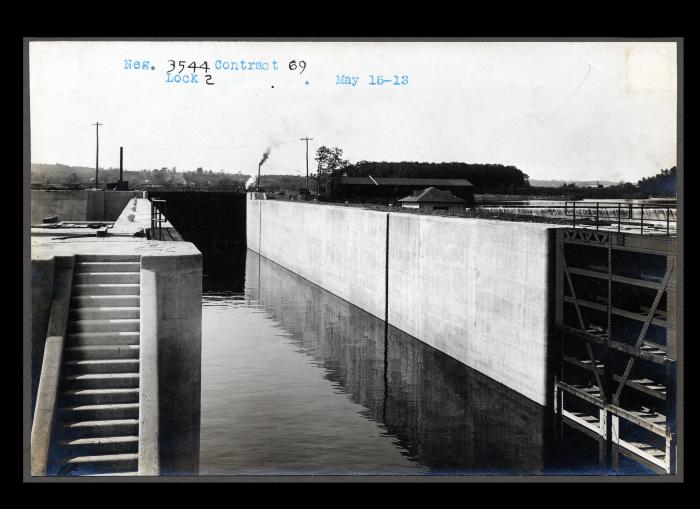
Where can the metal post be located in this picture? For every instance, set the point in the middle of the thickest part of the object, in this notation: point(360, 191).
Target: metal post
point(619, 216)
point(597, 219)
point(574, 208)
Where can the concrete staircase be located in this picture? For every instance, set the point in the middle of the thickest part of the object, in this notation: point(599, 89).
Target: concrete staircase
point(97, 419)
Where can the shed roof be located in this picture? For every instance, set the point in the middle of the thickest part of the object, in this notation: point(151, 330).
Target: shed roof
point(432, 195)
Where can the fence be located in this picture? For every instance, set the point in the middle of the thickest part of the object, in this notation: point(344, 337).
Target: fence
point(651, 217)
point(158, 210)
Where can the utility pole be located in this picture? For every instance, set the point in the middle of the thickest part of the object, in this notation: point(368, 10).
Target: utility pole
point(97, 149)
point(307, 160)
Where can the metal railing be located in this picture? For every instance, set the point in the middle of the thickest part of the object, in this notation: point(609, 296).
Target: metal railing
point(158, 210)
point(621, 211)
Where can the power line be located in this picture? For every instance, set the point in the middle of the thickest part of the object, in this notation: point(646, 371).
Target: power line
point(307, 160)
point(97, 149)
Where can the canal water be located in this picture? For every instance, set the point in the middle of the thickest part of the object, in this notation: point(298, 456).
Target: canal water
point(298, 381)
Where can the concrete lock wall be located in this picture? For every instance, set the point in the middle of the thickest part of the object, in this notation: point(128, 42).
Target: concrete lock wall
point(340, 249)
point(477, 290)
point(78, 205)
point(67, 205)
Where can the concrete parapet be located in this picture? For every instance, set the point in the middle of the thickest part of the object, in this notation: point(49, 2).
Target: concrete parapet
point(42, 424)
point(149, 450)
point(178, 293)
point(78, 205)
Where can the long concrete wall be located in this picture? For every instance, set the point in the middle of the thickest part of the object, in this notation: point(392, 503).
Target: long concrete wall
point(477, 290)
point(342, 250)
point(78, 205)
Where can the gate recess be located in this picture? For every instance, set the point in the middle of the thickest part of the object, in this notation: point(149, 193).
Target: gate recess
point(616, 329)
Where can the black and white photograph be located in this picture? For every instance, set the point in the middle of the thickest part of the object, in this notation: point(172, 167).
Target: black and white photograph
point(309, 259)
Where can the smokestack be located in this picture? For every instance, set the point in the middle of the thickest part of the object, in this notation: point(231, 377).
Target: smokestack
point(121, 164)
point(262, 161)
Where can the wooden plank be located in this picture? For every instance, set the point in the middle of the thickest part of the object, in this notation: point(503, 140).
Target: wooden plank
point(646, 386)
point(618, 279)
point(584, 421)
point(640, 419)
point(583, 364)
point(642, 352)
point(616, 311)
point(576, 391)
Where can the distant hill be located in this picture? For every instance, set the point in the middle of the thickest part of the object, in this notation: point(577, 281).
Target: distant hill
point(64, 174)
point(579, 183)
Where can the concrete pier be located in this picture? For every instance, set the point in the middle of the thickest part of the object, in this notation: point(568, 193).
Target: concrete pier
point(168, 301)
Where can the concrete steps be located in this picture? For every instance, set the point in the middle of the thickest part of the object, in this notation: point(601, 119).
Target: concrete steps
point(104, 411)
point(102, 338)
point(102, 381)
point(106, 289)
point(106, 325)
point(111, 301)
point(82, 267)
point(99, 404)
point(104, 428)
point(104, 313)
point(109, 258)
point(86, 278)
point(77, 353)
point(104, 463)
point(95, 366)
point(98, 396)
point(127, 444)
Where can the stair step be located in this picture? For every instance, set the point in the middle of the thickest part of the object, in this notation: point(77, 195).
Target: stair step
point(102, 352)
point(103, 463)
point(103, 338)
point(107, 267)
point(107, 289)
point(106, 277)
point(86, 366)
point(103, 445)
point(104, 313)
point(102, 381)
point(109, 411)
point(113, 474)
point(98, 396)
point(108, 258)
point(106, 325)
point(104, 428)
point(90, 301)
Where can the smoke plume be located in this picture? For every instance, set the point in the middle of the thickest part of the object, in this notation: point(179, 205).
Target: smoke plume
point(264, 157)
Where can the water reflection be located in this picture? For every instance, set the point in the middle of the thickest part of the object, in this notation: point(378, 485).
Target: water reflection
point(297, 380)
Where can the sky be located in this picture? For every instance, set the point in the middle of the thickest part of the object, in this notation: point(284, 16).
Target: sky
point(556, 110)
